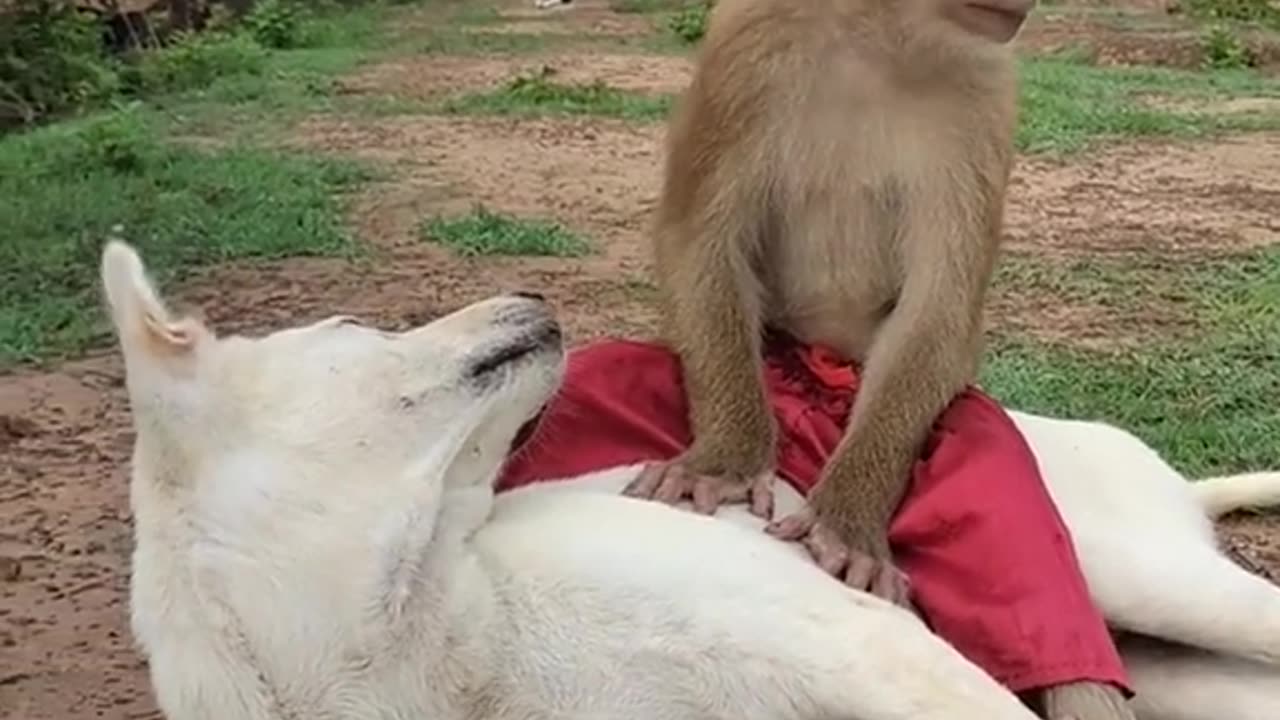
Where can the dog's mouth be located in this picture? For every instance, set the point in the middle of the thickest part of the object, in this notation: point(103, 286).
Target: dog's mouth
point(525, 433)
point(543, 338)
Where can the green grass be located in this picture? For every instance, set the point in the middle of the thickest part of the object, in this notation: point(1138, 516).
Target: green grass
point(450, 41)
point(535, 94)
point(1127, 281)
point(1207, 410)
point(1260, 12)
point(646, 7)
point(67, 186)
point(252, 90)
point(208, 198)
point(1067, 105)
point(483, 232)
point(453, 40)
point(1208, 401)
point(472, 14)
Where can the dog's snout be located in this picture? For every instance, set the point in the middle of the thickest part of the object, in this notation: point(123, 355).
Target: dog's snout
point(525, 308)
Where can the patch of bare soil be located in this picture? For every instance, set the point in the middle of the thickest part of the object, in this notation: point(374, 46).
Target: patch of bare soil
point(65, 650)
point(427, 77)
point(1036, 313)
point(1129, 5)
point(1181, 202)
point(1171, 198)
point(1255, 106)
point(1252, 541)
point(598, 177)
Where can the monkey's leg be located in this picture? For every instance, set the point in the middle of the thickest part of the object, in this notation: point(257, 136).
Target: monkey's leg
point(714, 318)
point(1086, 701)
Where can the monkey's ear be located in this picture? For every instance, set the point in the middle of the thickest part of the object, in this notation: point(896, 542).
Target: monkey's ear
point(146, 329)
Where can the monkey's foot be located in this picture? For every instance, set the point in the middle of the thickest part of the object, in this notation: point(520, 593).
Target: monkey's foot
point(858, 569)
point(674, 481)
point(1085, 701)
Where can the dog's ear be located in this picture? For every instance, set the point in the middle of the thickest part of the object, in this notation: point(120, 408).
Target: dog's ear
point(143, 324)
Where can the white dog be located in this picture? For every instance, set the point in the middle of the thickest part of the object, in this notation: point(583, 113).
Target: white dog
point(317, 537)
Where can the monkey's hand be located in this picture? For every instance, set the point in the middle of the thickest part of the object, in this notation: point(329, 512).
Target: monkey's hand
point(681, 478)
point(870, 568)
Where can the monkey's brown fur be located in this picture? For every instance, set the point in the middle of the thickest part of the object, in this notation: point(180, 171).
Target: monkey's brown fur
point(837, 170)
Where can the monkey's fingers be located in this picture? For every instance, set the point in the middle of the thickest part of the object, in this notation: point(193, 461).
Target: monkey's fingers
point(792, 527)
point(646, 483)
point(862, 572)
point(710, 492)
point(830, 554)
point(893, 585)
point(762, 495)
point(677, 483)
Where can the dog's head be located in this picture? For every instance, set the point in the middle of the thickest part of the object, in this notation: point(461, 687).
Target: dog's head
point(333, 401)
point(282, 478)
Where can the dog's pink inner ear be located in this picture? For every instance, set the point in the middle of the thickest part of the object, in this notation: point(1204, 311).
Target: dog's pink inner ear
point(170, 338)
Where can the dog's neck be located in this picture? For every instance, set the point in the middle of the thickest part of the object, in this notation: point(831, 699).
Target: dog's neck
point(263, 613)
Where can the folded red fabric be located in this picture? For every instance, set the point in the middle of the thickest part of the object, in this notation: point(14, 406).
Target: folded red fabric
point(990, 561)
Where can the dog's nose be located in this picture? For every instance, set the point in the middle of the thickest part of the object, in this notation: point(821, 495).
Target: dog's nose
point(529, 295)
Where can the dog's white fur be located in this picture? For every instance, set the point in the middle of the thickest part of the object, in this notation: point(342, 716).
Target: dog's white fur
point(316, 537)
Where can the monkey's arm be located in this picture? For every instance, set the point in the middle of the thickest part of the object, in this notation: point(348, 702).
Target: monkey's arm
point(922, 355)
point(714, 322)
point(712, 216)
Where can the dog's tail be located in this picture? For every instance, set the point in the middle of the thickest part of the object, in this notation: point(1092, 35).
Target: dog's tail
point(1221, 495)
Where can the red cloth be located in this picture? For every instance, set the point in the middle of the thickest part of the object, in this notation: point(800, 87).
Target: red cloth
point(991, 564)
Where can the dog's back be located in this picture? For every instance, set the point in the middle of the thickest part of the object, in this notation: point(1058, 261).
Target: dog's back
point(674, 614)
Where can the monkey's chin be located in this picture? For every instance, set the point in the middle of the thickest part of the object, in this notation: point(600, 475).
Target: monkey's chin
point(996, 21)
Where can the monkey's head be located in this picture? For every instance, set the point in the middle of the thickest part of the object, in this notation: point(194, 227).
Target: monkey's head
point(991, 21)
point(949, 35)
point(974, 23)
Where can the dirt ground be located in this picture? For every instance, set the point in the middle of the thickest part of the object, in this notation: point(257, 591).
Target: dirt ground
point(65, 648)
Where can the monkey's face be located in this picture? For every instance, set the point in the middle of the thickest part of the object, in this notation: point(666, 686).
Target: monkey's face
point(996, 21)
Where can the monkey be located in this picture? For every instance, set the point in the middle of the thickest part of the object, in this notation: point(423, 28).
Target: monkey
point(836, 169)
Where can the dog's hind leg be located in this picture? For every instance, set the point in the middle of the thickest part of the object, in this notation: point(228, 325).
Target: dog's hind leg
point(1174, 682)
point(1190, 594)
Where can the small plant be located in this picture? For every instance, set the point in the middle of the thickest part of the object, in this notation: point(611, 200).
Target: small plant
point(276, 24)
point(1223, 50)
point(51, 62)
point(483, 232)
point(119, 143)
point(195, 60)
point(1262, 12)
point(534, 93)
point(690, 22)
